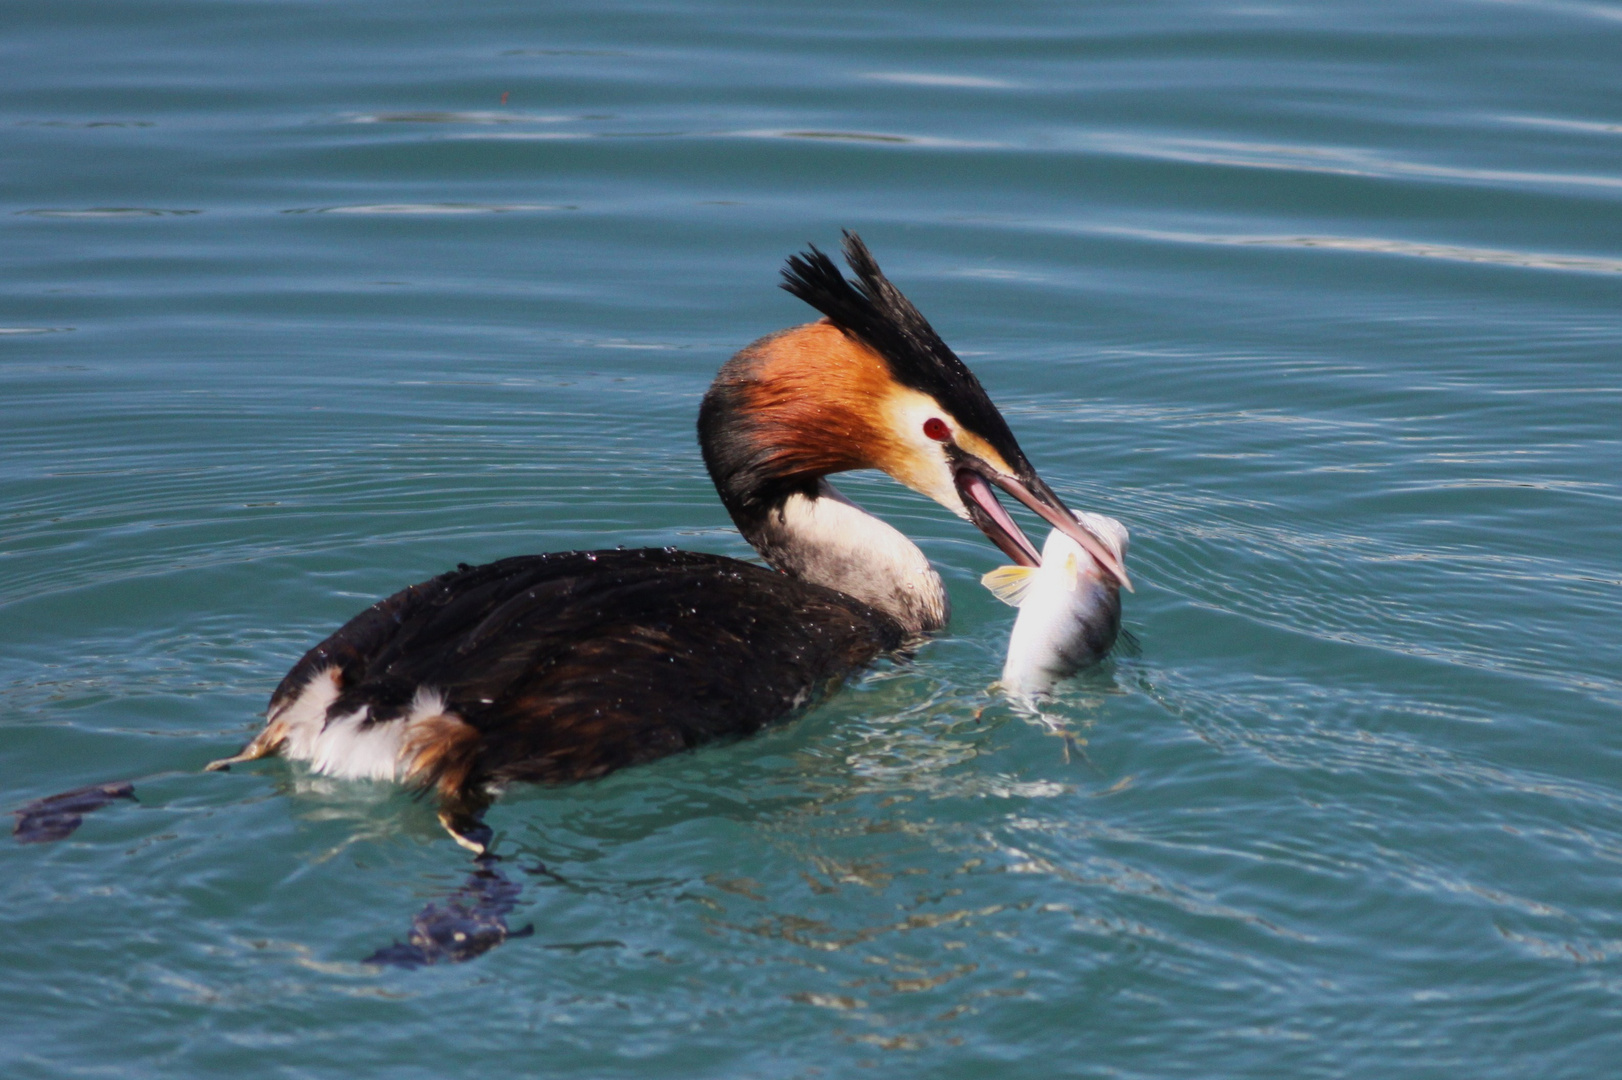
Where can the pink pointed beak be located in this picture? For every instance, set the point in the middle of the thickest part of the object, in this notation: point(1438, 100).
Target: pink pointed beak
point(990, 517)
point(1059, 516)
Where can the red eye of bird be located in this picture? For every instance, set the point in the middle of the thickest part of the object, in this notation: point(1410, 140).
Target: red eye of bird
point(936, 429)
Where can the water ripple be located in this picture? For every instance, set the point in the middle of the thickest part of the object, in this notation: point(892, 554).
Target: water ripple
point(428, 208)
point(909, 78)
point(468, 117)
point(1557, 124)
point(108, 212)
point(1380, 246)
point(1330, 160)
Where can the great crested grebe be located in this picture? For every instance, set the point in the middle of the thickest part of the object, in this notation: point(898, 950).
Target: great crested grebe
point(570, 665)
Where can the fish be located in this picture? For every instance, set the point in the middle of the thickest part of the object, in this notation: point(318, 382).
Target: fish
point(1069, 609)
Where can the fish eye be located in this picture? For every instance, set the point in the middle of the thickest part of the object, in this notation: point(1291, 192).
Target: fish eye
point(936, 429)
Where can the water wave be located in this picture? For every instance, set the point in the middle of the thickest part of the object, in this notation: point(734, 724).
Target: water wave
point(446, 208)
point(1587, 264)
point(108, 212)
point(1332, 160)
point(464, 117)
point(911, 78)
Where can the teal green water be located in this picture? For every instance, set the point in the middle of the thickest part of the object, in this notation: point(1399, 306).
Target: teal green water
point(1321, 300)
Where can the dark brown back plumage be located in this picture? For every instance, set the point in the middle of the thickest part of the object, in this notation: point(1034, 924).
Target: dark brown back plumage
point(573, 664)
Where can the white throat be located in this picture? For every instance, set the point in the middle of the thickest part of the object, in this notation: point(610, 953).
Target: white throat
point(829, 540)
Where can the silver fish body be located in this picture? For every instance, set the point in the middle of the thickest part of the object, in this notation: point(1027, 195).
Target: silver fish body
point(1069, 609)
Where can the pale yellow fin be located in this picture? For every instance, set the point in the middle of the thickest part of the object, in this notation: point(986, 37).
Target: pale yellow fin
point(1010, 583)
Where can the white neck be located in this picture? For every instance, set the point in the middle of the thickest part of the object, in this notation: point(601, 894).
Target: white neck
point(829, 540)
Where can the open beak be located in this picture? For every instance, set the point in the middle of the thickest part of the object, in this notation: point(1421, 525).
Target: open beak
point(974, 479)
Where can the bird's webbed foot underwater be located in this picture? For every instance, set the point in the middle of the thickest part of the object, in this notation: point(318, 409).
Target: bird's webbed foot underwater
point(468, 923)
point(57, 816)
point(473, 919)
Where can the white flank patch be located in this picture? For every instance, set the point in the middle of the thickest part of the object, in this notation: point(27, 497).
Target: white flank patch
point(346, 746)
point(304, 716)
point(349, 750)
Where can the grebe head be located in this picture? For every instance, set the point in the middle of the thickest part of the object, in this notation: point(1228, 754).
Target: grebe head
point(871, 385)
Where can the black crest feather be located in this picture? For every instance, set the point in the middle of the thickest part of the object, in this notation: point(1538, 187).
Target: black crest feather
point(872, 309)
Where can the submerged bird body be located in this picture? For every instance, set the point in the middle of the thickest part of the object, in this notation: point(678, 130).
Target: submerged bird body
point(567, 666)
point(1069, 609)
